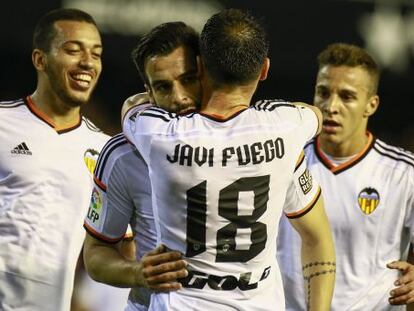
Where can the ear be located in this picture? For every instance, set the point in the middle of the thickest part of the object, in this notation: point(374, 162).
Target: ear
point(150, 94)
point(371, 106)
point(265, 69)
point(39, 59)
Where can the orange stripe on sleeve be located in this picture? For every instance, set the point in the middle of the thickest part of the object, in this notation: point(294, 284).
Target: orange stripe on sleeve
point(300, 160)
point(100, 236)
point(99, 183)
point(307, 209)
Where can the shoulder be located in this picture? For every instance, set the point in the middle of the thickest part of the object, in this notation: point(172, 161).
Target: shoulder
point(116, 149)
point(271, 104)
point(13, 107)
point(394, 155)
point(7, 104)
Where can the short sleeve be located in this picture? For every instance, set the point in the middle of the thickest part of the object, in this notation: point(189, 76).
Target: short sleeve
point(110, 209)
point(303, 191)
point(309, 122)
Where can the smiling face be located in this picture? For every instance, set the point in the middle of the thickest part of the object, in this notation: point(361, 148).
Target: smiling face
point(344, 95)
point(173, 80)
point(73, 64)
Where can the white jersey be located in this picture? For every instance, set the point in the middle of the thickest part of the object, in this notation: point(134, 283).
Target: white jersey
point(218, 191)
point(45, 187)
point(122, 196)
point(369, 201)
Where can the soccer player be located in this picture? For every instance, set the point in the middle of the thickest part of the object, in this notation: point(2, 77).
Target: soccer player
point(47, 154)
point(369, 186)
point(220, 179)
point(166, 60)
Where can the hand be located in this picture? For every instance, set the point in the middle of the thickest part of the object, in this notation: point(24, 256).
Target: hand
point(404, 293)
point(159, 270)
point(132, 101)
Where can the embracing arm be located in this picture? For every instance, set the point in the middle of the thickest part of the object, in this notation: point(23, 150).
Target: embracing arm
point(133, 101)
point(318, 256)
point(157, 270)
point(317, 112)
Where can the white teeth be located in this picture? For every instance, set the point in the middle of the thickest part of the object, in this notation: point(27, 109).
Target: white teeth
point(83, 77)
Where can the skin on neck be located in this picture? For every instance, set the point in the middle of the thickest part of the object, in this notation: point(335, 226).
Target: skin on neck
point(349, 147)
point(61, 114)
point(226, 100)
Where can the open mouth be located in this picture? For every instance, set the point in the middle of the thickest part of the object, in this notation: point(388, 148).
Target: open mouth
point(330, 126)
point(81, 81)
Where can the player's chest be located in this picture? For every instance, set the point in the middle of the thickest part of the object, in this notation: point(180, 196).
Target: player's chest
point(364, 196)
point(33, 153)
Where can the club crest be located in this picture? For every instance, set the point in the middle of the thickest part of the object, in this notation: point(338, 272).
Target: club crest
point(90, 157)
point(368, 200)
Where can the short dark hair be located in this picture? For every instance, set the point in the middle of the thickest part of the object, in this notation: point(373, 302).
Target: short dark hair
point(234, 46)
point(344, 54)
point(45, 30)
point(162, 40)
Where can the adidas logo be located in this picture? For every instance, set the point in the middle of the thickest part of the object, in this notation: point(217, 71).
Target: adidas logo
point(21, 149)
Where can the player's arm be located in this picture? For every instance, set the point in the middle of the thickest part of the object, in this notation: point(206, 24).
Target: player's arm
point(133, 101)
point(305, 209)
point(157, 270)
point(318, 256)
point(317, 112)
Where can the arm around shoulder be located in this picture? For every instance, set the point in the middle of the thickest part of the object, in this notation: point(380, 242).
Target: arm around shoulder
point(317, 112)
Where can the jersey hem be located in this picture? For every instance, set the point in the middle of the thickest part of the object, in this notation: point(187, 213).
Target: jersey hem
point(307, 209)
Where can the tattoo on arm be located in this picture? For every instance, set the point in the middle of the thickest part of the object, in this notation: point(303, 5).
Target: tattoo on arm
point(318, 268)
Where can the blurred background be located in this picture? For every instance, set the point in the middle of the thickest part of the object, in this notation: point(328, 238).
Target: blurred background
point(298, 31)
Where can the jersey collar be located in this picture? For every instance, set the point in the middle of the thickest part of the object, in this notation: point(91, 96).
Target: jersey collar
point(39, 114)
point(348, 164)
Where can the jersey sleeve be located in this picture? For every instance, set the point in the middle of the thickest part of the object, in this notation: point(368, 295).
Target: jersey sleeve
point(309, 122)
point(138, 125)
point(303, 191)
point(409, 219)
point(110, 209)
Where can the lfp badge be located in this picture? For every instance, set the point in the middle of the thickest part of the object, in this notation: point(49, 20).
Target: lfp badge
point(95, 207)
point(368, 200)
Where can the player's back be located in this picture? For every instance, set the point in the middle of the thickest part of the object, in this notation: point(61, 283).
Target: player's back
point(219, 187)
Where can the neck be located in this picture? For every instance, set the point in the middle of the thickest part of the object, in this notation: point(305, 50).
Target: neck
point(227, 100)
point(345, 149)
point(58, 112)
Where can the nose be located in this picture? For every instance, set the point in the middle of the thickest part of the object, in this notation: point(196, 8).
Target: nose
point(331, 105)
point(181, 96)
point(87, 60)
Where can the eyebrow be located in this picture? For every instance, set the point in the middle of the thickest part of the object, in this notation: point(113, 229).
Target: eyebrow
point(81, 43)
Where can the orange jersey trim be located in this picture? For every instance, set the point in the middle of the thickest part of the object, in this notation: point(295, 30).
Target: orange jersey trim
point(100, 236)
point(307, 209)
point(99, 183)
point(351, 162)
point(300, 160)
point(42, 116)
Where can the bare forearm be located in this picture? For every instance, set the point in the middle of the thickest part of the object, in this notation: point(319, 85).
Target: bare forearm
point(318, 257)
point(107, 265)
point(318, 267)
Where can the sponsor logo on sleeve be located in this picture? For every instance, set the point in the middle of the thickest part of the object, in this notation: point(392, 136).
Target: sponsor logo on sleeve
point(368, 200)
point(305, 181)
point(95, 207)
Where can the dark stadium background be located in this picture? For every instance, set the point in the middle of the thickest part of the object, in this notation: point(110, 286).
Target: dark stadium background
point(298, 31)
